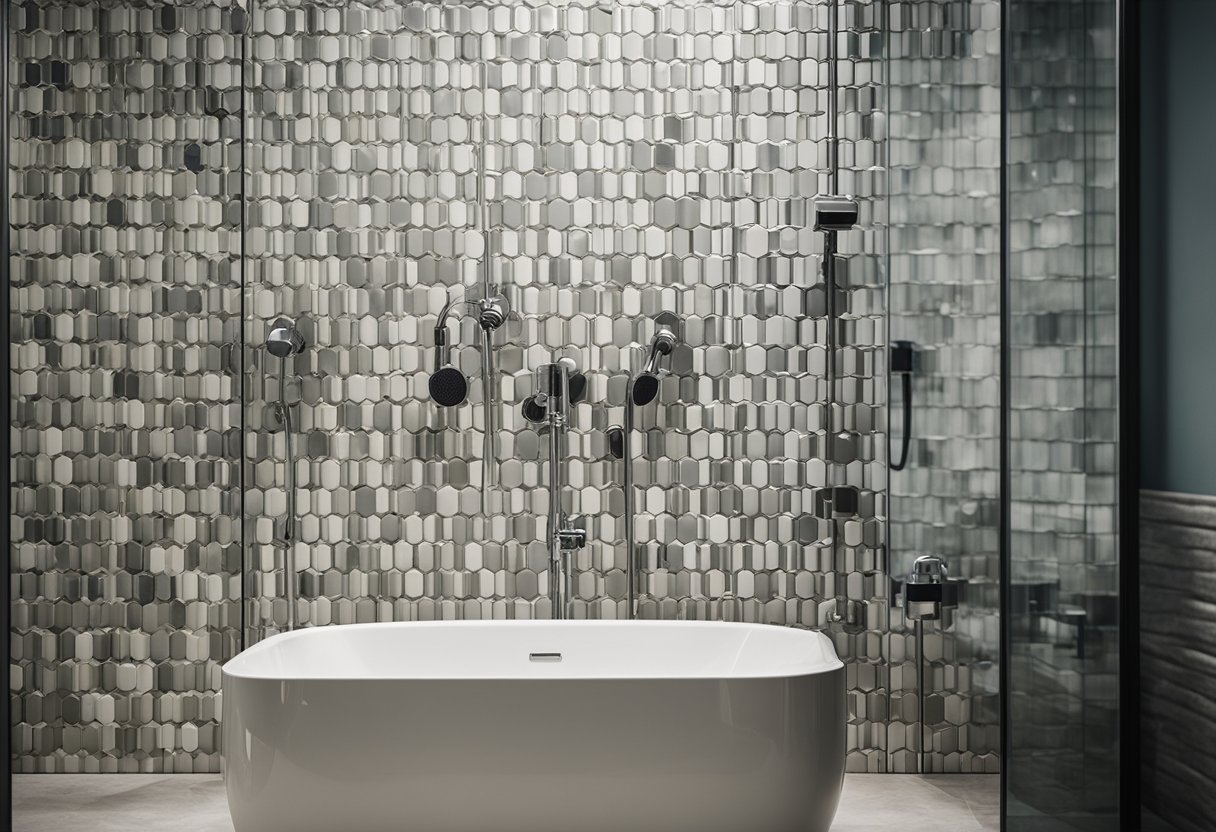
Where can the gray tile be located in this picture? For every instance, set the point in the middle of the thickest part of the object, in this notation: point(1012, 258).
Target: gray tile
point(912, 803)
point(119, 803)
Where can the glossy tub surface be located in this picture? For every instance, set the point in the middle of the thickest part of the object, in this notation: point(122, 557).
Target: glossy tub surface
point(472, 726)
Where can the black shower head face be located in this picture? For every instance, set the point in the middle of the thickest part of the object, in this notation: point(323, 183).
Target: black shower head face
point(448, 387)
point(645, 389)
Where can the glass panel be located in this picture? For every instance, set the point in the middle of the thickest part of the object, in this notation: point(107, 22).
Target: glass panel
point(1063, 756)
point(944, 304)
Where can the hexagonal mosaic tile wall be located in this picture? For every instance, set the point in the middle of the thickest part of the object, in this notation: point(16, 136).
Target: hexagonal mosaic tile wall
point(126, 296)
point(601, 163)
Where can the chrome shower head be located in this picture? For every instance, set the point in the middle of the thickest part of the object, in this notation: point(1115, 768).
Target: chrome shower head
point(284, 340)
point(644, 389)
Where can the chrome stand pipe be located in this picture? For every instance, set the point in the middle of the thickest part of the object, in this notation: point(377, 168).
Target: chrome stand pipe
point(633, 569)
point(285, 342)
point(559, 573)
point(550, 406)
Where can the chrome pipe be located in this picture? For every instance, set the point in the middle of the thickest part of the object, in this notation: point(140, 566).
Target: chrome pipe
point(289, 521)
point(489, 454)
point(557, 397)
point(632, 566)
point(921, 754)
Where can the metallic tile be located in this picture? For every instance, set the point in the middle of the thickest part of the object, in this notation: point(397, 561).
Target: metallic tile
point(126, 295)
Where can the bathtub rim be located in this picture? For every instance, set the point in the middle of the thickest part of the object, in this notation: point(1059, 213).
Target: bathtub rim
point(235, 668)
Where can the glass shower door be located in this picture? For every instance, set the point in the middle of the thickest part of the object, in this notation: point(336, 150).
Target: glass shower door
point(1062, 755)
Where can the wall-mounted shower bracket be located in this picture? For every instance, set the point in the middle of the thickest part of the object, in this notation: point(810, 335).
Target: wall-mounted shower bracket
point(836, 213)
point(837, 503)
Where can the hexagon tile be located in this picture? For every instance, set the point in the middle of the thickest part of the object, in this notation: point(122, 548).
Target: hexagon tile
point(601, 162)
point(125, 285)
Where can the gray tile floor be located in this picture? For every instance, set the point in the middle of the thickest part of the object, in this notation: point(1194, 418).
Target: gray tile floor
point(196, 803)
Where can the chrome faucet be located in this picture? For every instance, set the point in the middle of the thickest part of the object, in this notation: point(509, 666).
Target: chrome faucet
point(558, 385)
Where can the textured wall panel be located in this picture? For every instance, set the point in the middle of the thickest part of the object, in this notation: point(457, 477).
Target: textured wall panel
point(125, 436)
point(602, 163)
point(945, 297)
point(1178, 668)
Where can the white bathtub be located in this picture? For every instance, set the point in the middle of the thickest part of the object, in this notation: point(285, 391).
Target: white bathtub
point(535, 726)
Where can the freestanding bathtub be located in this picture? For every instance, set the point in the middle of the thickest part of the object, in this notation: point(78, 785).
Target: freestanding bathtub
point(535, 726)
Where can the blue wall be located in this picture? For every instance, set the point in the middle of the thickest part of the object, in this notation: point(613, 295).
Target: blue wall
point(1178, 237)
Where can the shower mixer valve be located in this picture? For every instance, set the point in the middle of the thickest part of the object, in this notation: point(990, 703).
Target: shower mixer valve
point(559, 386)
point(929, 593)
point(574, 535)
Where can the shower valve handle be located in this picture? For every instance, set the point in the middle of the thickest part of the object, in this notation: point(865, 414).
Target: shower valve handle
point(573, 534)
point(571, 539)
